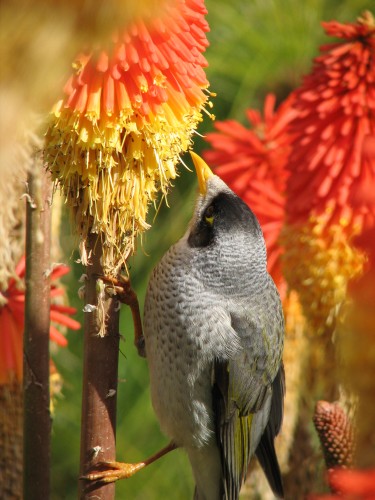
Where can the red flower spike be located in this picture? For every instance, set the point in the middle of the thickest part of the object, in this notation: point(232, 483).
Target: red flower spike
point(331, 165)
point(12, 315)
point(333, 156)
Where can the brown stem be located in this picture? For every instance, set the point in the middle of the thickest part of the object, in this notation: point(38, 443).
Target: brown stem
point(100, 374)
point(37, 419)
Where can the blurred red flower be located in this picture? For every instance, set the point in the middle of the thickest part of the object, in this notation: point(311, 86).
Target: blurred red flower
point(332, 171)
point(349, 484)
point(333, 155)
point(12, 316)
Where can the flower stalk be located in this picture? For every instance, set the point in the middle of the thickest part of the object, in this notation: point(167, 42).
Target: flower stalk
point(100, 374)
point(37, 418)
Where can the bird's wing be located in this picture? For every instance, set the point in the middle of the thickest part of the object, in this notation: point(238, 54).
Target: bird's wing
point(243, 402)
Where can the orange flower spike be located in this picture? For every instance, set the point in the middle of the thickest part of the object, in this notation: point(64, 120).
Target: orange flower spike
point(129, 109)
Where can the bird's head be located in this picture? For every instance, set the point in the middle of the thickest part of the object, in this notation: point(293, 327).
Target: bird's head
point(220, 216)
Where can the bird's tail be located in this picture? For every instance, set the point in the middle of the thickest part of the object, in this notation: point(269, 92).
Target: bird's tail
point(265, 451)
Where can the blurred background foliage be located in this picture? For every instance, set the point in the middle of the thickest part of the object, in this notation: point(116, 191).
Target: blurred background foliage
point(256, 46)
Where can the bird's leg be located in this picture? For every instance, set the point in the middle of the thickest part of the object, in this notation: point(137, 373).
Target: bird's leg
point(127, 295)
point(113, 471)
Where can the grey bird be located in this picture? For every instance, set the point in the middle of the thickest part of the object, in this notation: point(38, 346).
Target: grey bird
point(214, 333)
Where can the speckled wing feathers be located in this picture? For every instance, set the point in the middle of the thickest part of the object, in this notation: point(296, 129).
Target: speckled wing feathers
point(248, 406)
point(233, 432)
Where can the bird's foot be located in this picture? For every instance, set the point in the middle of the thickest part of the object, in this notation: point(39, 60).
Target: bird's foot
point(121, 287)
point(112, 471)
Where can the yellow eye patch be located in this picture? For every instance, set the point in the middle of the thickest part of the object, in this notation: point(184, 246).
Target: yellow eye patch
point(209, 220)
point(209, 215)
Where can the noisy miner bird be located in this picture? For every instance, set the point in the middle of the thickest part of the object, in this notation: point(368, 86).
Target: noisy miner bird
point(213, 334)
point(214, 331)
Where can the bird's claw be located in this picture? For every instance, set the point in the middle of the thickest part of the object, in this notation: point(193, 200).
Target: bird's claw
point(112, 471)
point(122, 288)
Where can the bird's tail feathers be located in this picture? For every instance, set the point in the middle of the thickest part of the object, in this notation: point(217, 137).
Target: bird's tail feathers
point(267, 458)
point(265, 451)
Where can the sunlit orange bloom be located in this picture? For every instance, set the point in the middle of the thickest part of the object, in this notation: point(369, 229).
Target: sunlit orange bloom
point(252, 161)
point(12, 316)
point(128, 113)
point(333, 154)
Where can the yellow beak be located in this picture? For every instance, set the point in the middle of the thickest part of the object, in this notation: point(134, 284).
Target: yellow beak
point(203, 172)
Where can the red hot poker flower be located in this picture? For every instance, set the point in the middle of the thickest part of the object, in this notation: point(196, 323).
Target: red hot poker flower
point(128, 113)
point(12, 315)
point(331, 165)
point(333, 154)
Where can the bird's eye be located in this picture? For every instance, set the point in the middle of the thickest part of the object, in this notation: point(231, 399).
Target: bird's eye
point(209, 215)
